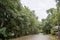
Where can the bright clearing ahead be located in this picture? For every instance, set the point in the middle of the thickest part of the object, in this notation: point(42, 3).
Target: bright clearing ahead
point(40, 6)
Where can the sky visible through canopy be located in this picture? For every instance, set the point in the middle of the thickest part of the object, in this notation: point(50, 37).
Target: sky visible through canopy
point(39, 6)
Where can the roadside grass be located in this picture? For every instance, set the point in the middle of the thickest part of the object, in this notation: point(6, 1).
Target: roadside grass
point(53, 37)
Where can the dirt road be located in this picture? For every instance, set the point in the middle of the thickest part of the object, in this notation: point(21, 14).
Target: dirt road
point(34, 37)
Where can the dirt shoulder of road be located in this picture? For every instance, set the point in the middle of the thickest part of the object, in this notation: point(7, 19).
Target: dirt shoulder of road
point(52, 37)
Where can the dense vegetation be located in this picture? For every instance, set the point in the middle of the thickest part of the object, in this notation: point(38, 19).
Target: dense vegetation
point(16, 20)
point(52, 20)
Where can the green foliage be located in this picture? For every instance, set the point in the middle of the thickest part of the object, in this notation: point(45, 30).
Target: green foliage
point(3, 32)
point(53, 19)
point(53, 31)
point(46, 26)
point(16, 20)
